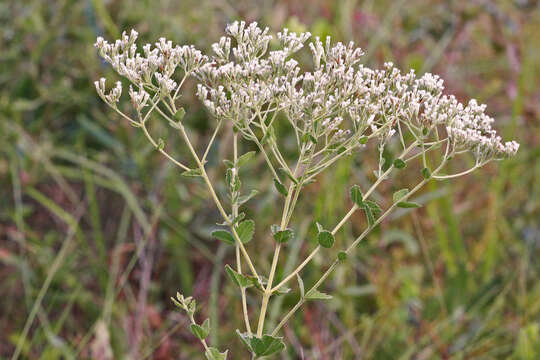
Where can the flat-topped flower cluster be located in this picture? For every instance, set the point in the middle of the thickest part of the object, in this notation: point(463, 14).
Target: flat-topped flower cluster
point(338, 102)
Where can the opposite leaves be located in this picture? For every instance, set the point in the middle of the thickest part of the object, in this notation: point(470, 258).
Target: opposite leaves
point(264, 346)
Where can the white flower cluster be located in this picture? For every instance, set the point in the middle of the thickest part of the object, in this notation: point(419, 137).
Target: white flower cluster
point(250, 79)
point(340, 99)
point(113, 96)
point(154, 69)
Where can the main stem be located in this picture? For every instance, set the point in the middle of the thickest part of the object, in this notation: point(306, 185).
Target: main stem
point(237, 247)
point(268, 289)
point(217, 201)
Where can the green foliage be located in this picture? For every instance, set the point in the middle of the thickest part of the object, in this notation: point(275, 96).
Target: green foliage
point(325, 239)
point(399, 164)
point(201, 331)
point(246, 230)
point(282, 236)
point(263, 346)
point(280, 188)
point(224, 235)
point(356, 195)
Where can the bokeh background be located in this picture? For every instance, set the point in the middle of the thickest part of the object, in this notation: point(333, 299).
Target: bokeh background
point(97, 230)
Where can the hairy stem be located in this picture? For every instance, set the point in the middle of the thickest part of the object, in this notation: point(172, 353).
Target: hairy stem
point(343, 220)
point(354, 244)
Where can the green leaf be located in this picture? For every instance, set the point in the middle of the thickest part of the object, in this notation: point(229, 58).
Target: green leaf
point(317, 295)
point(356, 195)
point(228, 163)
point(300, 285)
point(259, 283)
point(245, 198)
point(325, 239)
point(363, 140)
point(179, 116)
point(342, 256)
point(160, 144)
point(283, 290)
point(242, 160)
point(398, 195)
point(308, 137)
point(399, 164)
point(375, 208)
point(289, 175)
point(245, 230)
point(239, 218)
point(426, 173)
point(224, 236)
point(237, 278)
point(201, 332)
point(369, 215)
point(192, 173)
point(283, 236)
point(408, 205)
point(267, 345)
point(213, 354)
point(280, 188)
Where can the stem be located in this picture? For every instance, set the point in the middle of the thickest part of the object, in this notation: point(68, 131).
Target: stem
point(237, 248)
point(203, 159)
point(268, 289)
point(443, 177)
point(203, 341)
point(344, 220)
point(176, 162)
point(217, 201)
point(352, 247)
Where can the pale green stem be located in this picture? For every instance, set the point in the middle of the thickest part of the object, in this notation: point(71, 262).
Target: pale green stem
point(237, 248)
point(217, 201)
point(353, 246)
point(343, 220)
point(211, 142)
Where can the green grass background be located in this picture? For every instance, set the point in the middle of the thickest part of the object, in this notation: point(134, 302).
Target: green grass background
point(97, 230)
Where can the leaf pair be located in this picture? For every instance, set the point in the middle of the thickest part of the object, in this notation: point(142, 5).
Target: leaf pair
point(311, 294)
point(263, 346)
point(370, 207)
point(245, 231)
point(281, 236)
point(400, 194)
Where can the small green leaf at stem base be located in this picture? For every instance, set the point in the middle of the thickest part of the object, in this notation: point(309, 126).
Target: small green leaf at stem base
point(237, 278)
point(201, 331)
point(179, 116)
point(224, 236)
point(408, 205)
point(283, 236)
point(245, 230)
point(317, 295)
point(398, 195)
point(399, 164)
point(242, 160)
point(356, 195)
point(326, 239)
point(192, 173)
point(263, 346)
point(214, 354)
point(280, 188)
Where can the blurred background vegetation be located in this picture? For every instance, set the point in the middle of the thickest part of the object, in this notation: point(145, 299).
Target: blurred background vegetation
point(97, 230)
